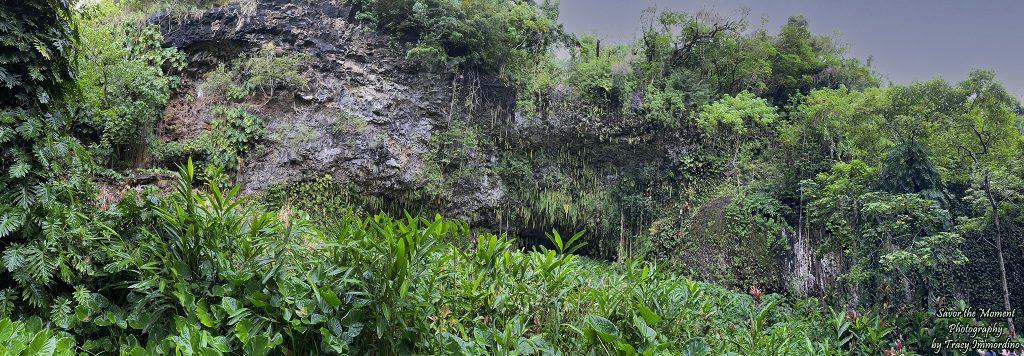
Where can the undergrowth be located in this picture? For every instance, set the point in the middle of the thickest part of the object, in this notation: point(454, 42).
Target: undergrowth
point(206, 271)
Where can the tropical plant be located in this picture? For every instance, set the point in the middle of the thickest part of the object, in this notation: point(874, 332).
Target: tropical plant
point(123, 86)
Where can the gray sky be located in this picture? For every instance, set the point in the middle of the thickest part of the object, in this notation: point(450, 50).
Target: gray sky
point(908, 39)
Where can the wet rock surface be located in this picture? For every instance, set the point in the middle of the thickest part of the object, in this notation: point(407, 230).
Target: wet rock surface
point(366, 118)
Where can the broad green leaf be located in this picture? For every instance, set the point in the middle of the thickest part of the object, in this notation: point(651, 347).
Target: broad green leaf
point(203, 313)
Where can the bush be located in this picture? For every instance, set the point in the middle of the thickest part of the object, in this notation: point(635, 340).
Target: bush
point(221, 82)
point(30, 337)
point(264, 72)
point(488, 34)
point(267, 71)
point(213, 273)
point(124, 87)
point(205, 270)
point(46, 191)
point(233, 133)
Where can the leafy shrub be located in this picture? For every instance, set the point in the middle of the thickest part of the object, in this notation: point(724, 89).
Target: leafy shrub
point(46, 194)
point(214, 252)
point(493, 34)
point(123, 84)
point(221, 81)
point(803, 61)
point(267, 71)
point(907, 169)
point(213, 273)
point(322, 198)
point(898, 243)
point(538, 85)
point(30, 337)
point(233, 133)
point(263, 72)
point(38, 45)
point(596, 80)
point(737, 113)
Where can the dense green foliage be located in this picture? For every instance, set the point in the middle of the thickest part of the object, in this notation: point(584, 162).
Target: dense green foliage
point(31, 338)
point(46, 200)
point(701, 151)
point(124, 86)
point(768, 138)
point(233, 132)
point(494, 34)
point(263, 73)
point(38, 50)
point(202, 271)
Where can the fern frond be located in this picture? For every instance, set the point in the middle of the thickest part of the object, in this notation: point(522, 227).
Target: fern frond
point(19, 170)
point(10, 221)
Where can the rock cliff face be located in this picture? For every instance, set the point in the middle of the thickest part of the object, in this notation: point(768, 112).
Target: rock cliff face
point(367, 115)
point(807, 273)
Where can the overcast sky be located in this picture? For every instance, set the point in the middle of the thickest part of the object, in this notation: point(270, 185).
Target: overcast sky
point(908, 39)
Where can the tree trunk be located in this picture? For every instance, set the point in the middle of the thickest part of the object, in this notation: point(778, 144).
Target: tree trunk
point(999, 252)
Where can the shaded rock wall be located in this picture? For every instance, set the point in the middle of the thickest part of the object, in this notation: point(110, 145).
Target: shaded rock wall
point(354, 76)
